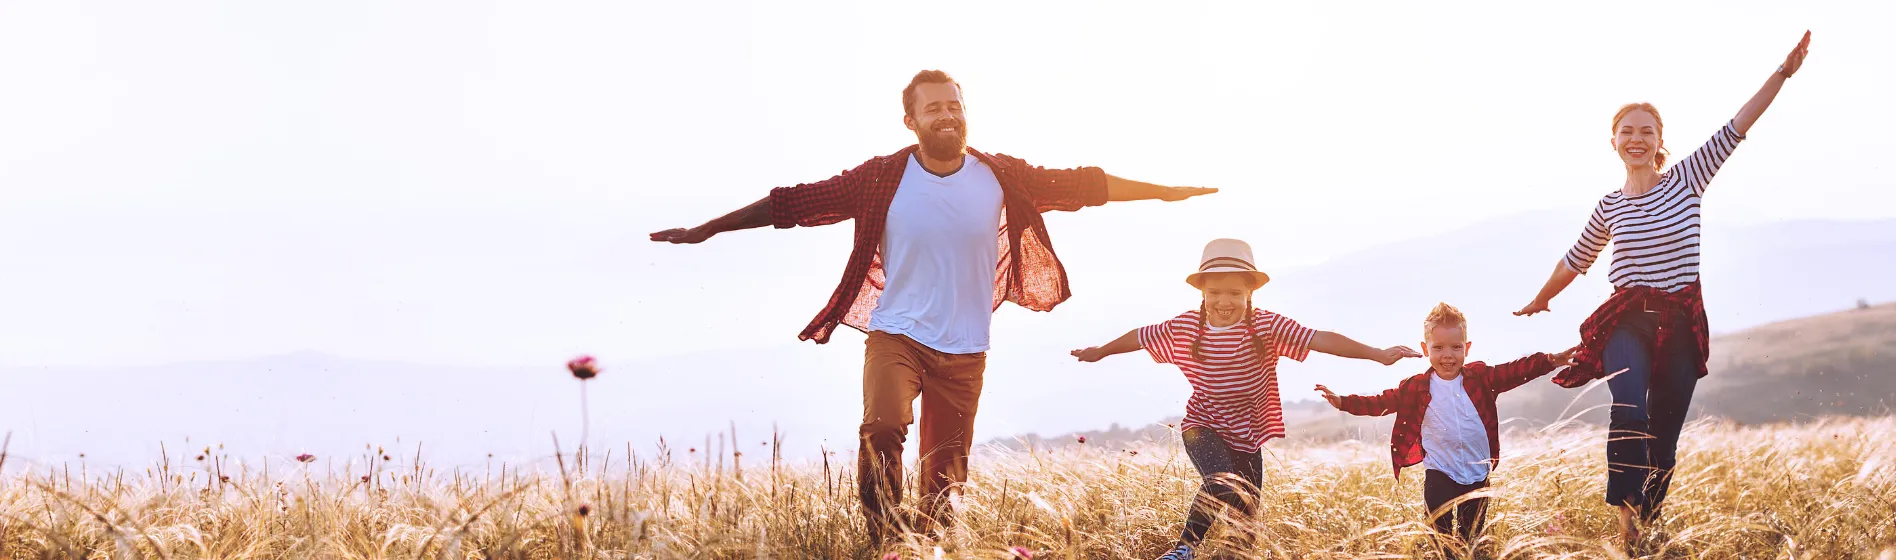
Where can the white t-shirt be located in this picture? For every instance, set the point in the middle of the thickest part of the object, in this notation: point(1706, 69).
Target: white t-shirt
point(1453, 439)
point(940, 251)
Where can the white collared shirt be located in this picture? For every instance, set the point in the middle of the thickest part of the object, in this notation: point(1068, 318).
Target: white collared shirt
point(1454, 440)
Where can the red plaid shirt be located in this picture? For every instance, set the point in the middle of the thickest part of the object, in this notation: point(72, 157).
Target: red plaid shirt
point(1030, 275)
point(1681, 309)
point(1410, 401)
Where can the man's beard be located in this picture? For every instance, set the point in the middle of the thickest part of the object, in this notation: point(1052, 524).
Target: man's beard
point(937, 146)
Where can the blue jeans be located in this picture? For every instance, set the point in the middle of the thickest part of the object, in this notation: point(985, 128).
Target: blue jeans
point(1649, 408)
point(1231, 480)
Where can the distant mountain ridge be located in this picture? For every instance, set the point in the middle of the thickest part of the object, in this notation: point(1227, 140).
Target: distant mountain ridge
point(326, 404)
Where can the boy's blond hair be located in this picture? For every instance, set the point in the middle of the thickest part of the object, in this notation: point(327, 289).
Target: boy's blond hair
point(1444, 315)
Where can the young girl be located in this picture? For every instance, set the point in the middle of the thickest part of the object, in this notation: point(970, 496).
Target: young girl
point(1446, 420)
point(1228, 351)
point(1652, 331)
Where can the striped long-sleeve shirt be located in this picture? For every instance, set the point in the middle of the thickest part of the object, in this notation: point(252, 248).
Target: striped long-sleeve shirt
point(1655, 235)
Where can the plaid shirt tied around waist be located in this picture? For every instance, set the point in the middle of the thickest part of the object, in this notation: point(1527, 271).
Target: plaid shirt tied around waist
point(1683, 310)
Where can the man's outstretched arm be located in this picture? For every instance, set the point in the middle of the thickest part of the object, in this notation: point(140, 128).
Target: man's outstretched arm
point(1122, 189)
point(754, 216)
point(1067, 190)
point(807, 205)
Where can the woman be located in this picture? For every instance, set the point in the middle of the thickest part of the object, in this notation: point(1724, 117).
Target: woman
point(1652, 331)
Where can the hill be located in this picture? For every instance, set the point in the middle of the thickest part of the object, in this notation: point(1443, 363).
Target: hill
point(1835, 364)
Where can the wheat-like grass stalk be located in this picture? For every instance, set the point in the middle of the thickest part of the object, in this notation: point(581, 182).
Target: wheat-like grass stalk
point(1821, 489)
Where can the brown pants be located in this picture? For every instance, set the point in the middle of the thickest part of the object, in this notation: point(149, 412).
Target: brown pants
point(896, 370)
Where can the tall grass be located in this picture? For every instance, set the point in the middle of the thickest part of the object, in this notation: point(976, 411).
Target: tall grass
point(1824, 489)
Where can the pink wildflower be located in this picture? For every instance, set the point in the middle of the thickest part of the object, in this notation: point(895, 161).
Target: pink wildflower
point(583, 367)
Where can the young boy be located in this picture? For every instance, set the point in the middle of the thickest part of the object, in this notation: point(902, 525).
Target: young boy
point(1446, 419)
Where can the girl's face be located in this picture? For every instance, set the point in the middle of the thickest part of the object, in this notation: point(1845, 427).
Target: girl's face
point(1637, 138)
point(1227, 298)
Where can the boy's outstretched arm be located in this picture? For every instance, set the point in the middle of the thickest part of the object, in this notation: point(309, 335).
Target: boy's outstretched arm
point(1125, 343)
point(1379, 405)
point(1341, 346)
point(1517, 373)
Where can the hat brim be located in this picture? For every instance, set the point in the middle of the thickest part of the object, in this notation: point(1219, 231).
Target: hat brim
point(1258, 279)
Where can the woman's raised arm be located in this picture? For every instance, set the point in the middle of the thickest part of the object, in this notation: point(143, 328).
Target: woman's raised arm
point(1754, 108)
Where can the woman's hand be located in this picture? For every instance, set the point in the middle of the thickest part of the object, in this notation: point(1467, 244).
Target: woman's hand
point(1795, 60)
point(1748, 115)
point(1334, 400)
point(1556, 282)
point(1092, 354)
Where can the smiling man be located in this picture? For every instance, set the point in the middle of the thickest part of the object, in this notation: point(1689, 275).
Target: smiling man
point(925, 278)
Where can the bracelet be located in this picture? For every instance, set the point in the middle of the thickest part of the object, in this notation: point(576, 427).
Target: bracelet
point(1780, 72)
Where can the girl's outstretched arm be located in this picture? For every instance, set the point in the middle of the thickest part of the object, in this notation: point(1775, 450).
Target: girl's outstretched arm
point(1125, 343)
point(1341, 346)
point(1753, 109)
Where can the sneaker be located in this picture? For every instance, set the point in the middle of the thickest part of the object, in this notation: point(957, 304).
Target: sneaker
point(1183, 552)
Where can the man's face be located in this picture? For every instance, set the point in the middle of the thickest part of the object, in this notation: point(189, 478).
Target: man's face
point(938, 122)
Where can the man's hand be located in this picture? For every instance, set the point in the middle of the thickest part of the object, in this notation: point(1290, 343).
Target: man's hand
point(756, 215)
point(682, 235)
point(1122, 189)
point(1175, 194)
point(1389, 356)
point(1335, 401)
point(1565, 358)
point(1092, 354)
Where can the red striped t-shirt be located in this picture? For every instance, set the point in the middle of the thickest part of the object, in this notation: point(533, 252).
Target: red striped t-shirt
point(1234, 390)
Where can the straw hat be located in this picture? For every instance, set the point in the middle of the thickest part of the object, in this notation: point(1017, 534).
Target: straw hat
point(1227, 255)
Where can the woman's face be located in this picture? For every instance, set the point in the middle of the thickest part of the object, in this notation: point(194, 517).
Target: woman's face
point(1636, 138)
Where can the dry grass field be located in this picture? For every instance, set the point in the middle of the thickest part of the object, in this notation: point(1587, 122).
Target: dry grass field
point(1822, 489)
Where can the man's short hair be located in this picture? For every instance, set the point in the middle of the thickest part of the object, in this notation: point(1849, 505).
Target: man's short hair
point(923, 77)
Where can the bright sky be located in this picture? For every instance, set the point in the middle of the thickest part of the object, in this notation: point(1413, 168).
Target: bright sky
point(471, 183)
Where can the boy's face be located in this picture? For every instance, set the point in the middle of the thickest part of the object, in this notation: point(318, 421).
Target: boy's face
point(1447, 348)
